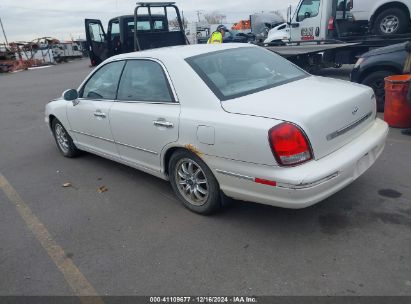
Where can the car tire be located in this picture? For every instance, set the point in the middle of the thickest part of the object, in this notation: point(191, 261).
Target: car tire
point(376, 81)
point(63, 140)
point(391, 15)
point(194, 183)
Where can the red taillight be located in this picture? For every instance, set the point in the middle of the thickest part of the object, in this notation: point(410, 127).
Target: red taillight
point(289, 144)
point(331, 24)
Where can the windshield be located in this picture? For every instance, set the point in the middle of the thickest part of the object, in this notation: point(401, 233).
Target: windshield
point(238, 72)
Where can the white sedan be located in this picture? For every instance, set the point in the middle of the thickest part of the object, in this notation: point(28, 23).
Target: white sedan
point(231, 119)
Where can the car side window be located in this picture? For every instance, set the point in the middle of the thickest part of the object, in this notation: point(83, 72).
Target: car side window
point(115, 30)
point(144, 80)
point(158, 25)
point(96, 32)
point(103, 84)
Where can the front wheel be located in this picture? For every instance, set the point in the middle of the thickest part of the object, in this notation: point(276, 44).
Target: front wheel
point(194, 183)
point(63, 140)
point(390, 22)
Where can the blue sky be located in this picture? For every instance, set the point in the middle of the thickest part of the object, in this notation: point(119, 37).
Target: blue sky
point(26, 20)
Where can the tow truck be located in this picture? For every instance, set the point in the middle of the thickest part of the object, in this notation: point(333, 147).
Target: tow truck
point(324, 33)
point(132, 33)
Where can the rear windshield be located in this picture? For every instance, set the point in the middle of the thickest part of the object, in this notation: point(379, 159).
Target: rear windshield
point(238, 72)
point(145, 25)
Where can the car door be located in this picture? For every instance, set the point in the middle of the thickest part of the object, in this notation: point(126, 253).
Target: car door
point(145, 117)
point(307, 21)
point(114, 37)
point(97, 41)
point(89, 116)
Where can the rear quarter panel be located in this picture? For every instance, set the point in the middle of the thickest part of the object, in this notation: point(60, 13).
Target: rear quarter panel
point(236, 137)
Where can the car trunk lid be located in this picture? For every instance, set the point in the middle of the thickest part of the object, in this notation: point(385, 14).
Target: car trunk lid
point(331, 112)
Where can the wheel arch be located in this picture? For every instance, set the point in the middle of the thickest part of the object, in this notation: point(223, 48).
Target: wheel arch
point(169, 151)
point(167, 156)
point(393, 4)
point(51, 119)
point(378, 68)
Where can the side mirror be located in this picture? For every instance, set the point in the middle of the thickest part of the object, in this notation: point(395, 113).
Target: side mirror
point(71, 95)
point(289, 10)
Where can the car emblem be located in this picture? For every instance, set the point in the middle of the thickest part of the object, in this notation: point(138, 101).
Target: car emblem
point(355, 111)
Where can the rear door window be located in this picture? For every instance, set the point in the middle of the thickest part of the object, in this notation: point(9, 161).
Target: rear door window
point(144, 80)
point(159, 25)
point(143, 25)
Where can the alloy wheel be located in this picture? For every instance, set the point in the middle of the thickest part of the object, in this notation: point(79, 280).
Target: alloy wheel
point(62, 139)
point(191, 182)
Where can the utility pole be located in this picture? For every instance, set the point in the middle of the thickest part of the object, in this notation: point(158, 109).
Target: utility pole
point(4, 32)
point(183, 21)
point(198, 15)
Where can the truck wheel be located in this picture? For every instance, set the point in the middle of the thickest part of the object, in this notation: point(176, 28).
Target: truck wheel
point(376, 81)
point(391, 21)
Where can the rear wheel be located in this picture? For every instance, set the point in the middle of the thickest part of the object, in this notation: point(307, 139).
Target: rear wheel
point(391, 21)
point(194, 183)
point(376, 81)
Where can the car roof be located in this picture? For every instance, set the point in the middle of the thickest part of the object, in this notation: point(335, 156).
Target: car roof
point(182, 51)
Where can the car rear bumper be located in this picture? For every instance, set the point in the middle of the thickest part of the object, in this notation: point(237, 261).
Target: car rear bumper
point(304, 185)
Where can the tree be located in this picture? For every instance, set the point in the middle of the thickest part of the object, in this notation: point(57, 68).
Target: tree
point(174, 23)
point(279, 14)
point(215, 17)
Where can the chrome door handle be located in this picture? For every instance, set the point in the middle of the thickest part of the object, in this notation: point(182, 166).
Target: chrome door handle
point(163, 123)
point(99, 114)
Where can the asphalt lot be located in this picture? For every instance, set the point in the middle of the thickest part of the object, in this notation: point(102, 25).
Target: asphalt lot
point(136, 238)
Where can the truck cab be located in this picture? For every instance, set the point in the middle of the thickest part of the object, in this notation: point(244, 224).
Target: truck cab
point(309, 20)
point(136, 32)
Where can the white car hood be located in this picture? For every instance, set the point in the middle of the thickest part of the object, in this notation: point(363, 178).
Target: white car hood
point(331, 112)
